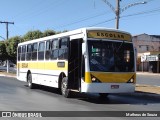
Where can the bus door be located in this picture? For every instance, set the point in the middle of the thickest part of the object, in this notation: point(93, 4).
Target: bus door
point(74, 64)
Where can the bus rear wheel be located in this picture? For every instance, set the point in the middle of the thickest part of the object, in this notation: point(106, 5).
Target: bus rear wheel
point(29, 80)
point(65, 92)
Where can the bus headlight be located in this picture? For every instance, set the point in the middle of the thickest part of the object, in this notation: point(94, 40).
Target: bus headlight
point(94, 79)
point(131, 80)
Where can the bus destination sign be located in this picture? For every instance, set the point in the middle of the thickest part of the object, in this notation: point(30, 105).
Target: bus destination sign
point(109, 35)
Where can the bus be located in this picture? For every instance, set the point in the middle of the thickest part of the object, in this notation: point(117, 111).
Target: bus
point(87, 60)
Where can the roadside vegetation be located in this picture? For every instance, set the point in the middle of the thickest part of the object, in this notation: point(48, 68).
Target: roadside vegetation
point(8, 48)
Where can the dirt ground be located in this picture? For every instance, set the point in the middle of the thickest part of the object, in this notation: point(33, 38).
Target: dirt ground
point(7, 74)
point(148, 88)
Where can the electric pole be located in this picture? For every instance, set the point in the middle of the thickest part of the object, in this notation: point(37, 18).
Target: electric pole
point(119, 10)
point(7, 34)
point(117, 13)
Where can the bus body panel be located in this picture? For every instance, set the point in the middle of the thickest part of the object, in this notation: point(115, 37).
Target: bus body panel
point(105, 77)
point(43, 73)
point(108, 87)
point(108, 82)
point(47, 72)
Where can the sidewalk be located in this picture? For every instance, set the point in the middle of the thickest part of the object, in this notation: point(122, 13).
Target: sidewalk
point(148, 89)
point(2, 73)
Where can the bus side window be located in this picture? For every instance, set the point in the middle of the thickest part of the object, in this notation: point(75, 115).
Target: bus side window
point(47, 51)
point(63, 51)
point(34, 51)
point(55, 49)
point(23, 55)
point(19, 53)
point(29, 52)
point(41, 51)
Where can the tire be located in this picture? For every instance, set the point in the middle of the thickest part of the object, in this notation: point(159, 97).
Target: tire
point(103, 95)
point(65, 92)
point(29, 80)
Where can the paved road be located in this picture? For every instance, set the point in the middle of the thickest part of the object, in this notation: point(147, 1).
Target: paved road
point(11, 69)
point(148, 79)
point(16, 96)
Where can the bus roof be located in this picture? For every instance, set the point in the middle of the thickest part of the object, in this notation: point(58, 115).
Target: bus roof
point(73, 32)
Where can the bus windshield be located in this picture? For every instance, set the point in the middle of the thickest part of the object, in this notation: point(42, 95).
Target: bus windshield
point(111, 56)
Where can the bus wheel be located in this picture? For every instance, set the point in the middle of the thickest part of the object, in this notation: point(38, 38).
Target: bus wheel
point(29, 80)
point(103, 95)
point(65, 92)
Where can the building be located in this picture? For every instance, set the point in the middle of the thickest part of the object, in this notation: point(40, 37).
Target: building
point(148, 52)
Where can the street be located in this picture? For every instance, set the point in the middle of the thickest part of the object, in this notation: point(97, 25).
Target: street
point(16, 96)
point(148, 79)
point(11, 69)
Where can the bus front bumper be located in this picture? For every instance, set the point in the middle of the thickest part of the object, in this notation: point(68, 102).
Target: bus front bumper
point(108, 87)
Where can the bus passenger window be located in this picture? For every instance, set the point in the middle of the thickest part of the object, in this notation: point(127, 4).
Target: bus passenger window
point(47, 52)
point(55, 49)
point(41, 51)
point(19, 53)
point(63, 51)
point(29, 52)
point(34, 52)
point(23, 55)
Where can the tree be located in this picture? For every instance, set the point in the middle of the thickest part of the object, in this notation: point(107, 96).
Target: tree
point(3, 53)
point(32, 35)
point(11, 47)
point(48, 33)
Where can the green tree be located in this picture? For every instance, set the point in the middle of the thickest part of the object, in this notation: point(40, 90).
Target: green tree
point(32, 35)
point(3, 53)
point(48, 33)
point(11, 47)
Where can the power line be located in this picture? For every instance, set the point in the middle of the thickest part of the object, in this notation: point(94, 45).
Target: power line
point(83, 19)
point(102, 22)
point(139, 13)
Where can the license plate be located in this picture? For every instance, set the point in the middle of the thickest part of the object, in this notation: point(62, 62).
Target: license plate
point(114, 86)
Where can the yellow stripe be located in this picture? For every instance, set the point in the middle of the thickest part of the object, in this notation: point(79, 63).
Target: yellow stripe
point(49, 65)
point(88, 77)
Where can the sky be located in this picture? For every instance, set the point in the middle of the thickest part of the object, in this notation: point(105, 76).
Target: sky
point(60, 15)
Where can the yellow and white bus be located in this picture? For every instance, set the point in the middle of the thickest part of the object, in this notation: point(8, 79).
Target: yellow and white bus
point(90, 60)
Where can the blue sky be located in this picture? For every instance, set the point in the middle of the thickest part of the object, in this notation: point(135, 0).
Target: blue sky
point(62, 15)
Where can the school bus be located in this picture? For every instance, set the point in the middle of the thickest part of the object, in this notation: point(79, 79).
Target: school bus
point(89, 60)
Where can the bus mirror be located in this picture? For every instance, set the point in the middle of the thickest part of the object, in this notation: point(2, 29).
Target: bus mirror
point(85, 55)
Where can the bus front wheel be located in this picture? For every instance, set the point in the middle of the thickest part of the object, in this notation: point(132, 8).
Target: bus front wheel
point(65, 92)
point(29, 80)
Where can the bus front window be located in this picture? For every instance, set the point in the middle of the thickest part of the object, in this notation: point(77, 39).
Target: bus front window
point(107, 56)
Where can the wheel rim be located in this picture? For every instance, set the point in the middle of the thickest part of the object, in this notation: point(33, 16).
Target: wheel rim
point(29, 81)
point(63, 87)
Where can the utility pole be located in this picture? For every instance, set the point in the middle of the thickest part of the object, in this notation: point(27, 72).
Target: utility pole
point(117, 13)
point(7, 34)
point(119, 10)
